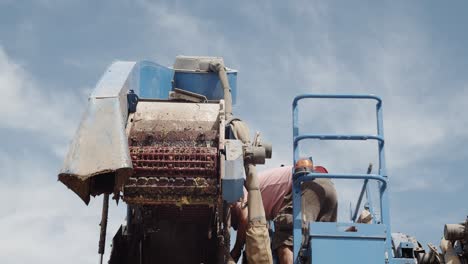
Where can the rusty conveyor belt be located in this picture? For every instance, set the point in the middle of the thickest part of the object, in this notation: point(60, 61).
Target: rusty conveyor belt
point(174, 191)
point(172, 175)
point(174, 161)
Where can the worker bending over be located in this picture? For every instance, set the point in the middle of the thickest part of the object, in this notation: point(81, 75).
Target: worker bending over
point(319, 203)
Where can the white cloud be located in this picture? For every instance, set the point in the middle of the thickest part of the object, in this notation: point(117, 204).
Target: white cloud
point(29, 108)
point(41, 221)
point(283, 53)
point(46, 224)
point(188, 34)
point(396, 63)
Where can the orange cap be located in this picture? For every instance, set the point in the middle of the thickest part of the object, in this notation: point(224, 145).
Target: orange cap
point(304, 165)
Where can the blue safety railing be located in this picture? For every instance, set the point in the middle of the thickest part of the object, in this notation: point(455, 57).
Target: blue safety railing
point(381, 177)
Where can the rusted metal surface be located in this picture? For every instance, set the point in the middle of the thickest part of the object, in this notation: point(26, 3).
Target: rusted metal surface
point(197, 185)
point(169, 124)
point(196, 161)
point(164, 190)
point(173, 175)
point(174, 152)
point(151, 215)
point(185, 137)
point(174, 193)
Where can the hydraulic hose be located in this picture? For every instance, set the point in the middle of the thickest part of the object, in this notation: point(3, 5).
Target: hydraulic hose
point(257, 240)
point(219, 68)
point(450, 256)
point(254, 200)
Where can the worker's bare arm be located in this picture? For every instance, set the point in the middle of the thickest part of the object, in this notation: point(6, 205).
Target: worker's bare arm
point(240, 238)
point(285, 255)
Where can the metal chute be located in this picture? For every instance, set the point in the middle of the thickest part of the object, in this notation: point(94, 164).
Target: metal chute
point(98, 159)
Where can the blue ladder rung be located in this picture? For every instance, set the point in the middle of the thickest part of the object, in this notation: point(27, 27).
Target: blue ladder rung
point(337, 96)
point(347, 176)
point(337, 137)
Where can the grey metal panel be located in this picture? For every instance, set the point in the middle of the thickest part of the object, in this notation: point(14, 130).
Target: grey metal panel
point(175, 124)
point(114, 82)
point(98, 158)
point(195, 63)
point(399, 240)
point(169, 111)
point(233, 180)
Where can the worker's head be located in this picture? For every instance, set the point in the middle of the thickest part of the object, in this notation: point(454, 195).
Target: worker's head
point(304, 165)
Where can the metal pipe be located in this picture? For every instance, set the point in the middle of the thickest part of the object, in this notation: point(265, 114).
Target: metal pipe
point(312, 176)
point(337, 96)
point(254, 200)
point(370, 203)
point(297, 219)
point(296, 190)
point(450, 256)
point(221, 70)
point(384, 199)
point(103, 224)
point(257, 240)
point(454, 232)
point(338, 137)
point(361, 195)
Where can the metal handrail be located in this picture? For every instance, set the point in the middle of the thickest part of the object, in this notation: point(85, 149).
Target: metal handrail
point(381, 176)
point(337, 96)
point(299, 138)
point(354, 176)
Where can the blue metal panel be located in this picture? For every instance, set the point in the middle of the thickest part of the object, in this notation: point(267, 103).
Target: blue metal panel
point(233, 189)
point(331, 243)
point(348, 176)
point(155, 81)
point(402, 261)
point(206, 83)
point(335, 242)
point(234, 172)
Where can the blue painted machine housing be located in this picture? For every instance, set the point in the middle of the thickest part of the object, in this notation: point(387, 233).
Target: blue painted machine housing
point(206, 83)
point(366, 244)
point(154, 81)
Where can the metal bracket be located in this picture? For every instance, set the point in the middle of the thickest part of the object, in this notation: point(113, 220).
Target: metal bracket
point(132, 101)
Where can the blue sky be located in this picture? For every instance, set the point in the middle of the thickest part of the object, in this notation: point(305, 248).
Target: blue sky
point(411, 53)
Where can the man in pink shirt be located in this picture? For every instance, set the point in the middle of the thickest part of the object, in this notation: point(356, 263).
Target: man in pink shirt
point(319, 203)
